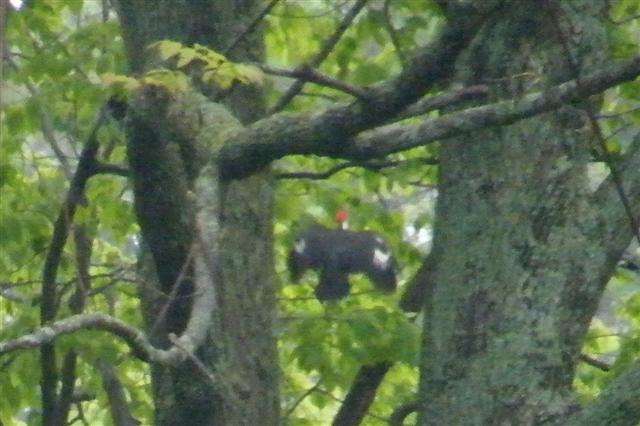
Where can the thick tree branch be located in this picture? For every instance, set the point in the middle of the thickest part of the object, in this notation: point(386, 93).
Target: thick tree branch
point(617, 405)
point(330, 132)
point(394, 138)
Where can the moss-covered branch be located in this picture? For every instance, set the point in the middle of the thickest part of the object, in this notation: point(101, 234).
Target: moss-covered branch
point(333, 132)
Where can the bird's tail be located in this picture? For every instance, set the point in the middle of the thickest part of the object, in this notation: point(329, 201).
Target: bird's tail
point(333, 284)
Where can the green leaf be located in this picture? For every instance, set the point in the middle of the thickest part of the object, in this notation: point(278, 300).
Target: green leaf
point(166, 49)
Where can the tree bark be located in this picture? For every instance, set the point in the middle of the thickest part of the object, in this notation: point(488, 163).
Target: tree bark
point(236, 381)
point(508, 301)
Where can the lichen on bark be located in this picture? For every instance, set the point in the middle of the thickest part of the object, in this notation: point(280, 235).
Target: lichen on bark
point(509, 232)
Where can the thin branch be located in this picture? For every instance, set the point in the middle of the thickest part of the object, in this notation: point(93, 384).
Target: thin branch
point(369, 165)
point(299, 400)
point(251, 27)
point(361, 394)
point(325, 50)
point(112, 169)
point(305, 73)
point(133, 337)
point(8, 291)
point(47, 334)
point(393, 34)
point(594, 362)
point(46, 123)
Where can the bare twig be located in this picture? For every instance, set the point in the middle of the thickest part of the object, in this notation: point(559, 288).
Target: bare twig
point(46, 124)
point(305, 73)
point(251, 27)
point(326, 48)
point(594, 362)
point(393, 34)
point(299, 400)
point(112, 169)
point(369, 165)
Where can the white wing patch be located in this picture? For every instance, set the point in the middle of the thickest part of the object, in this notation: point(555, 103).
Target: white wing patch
point(299, 246)
point(381, 259)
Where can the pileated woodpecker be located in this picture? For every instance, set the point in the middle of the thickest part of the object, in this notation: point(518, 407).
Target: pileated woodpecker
point(336, 253)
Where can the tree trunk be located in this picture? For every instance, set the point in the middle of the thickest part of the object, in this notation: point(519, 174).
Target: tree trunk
point(240, 355)
point(514, 287)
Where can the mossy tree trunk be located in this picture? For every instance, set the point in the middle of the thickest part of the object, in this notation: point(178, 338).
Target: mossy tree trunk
point(518, 266)
point(240, 355)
